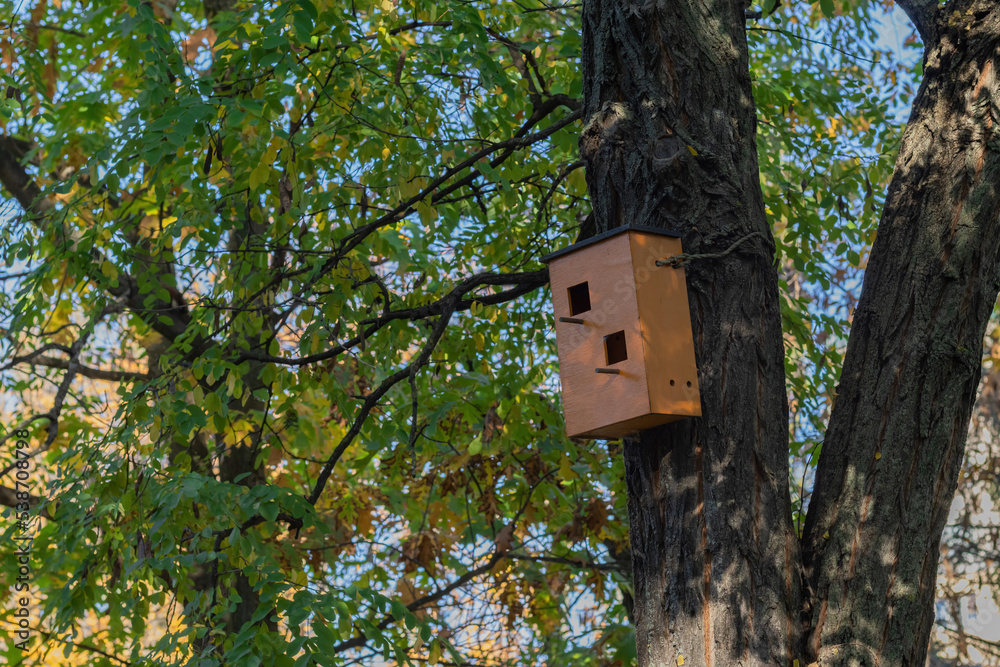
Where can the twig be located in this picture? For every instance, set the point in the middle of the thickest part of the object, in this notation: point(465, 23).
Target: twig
point(788, 33)
point(524, 283)
point(79, 645)
point(414, 430)
point(581, 563)
point(56, 28)
point(684, 258)
point(373, 398)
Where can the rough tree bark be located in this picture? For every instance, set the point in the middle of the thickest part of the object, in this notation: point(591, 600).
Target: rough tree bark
point(669, 142)
point(889, 466)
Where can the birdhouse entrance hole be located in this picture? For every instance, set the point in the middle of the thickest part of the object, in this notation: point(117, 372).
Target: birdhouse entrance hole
point(579, 298)
point(614, 347)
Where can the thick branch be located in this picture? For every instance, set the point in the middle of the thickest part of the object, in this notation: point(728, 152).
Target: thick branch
point(923, 14)
point(87, 372)
point(16, 180)
point(8, 498)
point(168, 318)
point(892, 454)
point(374, 397)
point(452, 302)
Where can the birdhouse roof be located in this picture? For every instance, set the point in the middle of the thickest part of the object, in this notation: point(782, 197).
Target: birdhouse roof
point(603, 236)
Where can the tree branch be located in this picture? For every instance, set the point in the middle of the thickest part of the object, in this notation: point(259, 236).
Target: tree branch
point(580, 563)
point(500, 552)
point(8, 498)
point(362, 639)
point(87, 372)
point(525, 283)
point(79, 645)
point(923, 14)
point(374, 397)
point(15, 179)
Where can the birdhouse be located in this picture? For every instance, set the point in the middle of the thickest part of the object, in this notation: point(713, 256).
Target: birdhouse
point(623, 330)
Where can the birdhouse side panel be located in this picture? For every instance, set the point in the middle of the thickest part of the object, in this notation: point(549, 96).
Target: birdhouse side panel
point(606, 336)
point(668, 343)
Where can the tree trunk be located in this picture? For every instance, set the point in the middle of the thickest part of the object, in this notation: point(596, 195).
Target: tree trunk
point(670, 143)
point(889, 465)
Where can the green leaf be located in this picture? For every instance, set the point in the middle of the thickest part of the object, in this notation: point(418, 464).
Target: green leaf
point(269, 512)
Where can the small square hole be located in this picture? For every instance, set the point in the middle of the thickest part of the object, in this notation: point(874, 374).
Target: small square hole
point(579, 298)
point(614, 348)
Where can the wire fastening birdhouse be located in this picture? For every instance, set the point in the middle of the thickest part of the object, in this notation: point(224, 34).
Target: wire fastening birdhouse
point(623, 330)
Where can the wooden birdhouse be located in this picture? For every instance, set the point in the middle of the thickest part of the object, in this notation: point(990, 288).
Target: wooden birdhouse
point(623, 329)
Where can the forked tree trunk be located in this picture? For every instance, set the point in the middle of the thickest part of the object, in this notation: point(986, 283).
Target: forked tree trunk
point(669, 142)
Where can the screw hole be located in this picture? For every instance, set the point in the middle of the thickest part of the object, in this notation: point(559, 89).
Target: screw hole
point(671, 383)
point(689, 383)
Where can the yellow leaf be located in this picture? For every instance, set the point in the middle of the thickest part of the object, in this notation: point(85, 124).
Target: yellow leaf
point(565, 471)
point(428, 213)
point(695, 153)
point(272, 150)
point(386, 153)
point(680, 659)
point(878, 455)
point(109, 270)
point(834, 123)
point(826, 535)
point(435, 653)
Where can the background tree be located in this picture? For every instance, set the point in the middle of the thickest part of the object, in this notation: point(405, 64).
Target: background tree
point(274, 318)
point(968, 632)
point(244, 235)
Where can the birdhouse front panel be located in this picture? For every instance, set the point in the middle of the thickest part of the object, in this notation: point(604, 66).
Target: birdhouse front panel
point(623, 331)
point(599, 337)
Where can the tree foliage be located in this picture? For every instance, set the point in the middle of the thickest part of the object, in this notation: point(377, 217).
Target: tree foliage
point(275, 321)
